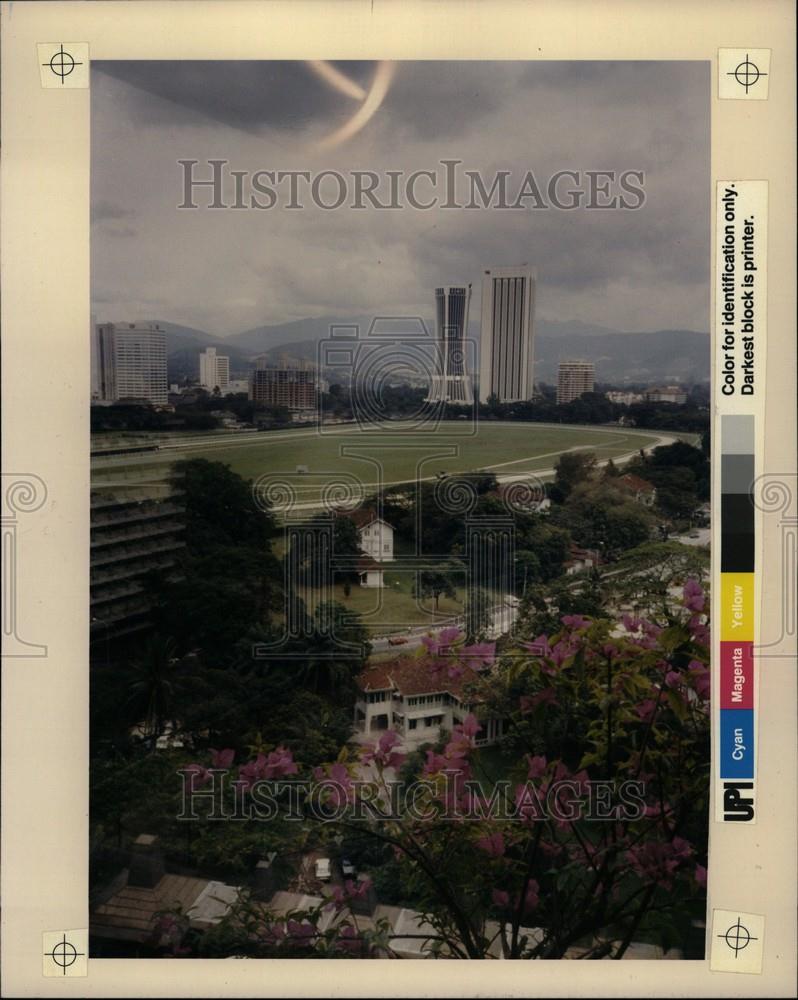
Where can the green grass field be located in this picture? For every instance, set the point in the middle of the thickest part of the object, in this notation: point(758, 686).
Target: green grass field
point(392, 609)
point(371, 459)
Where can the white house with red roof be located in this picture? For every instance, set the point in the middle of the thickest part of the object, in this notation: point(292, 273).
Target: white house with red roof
point(642, 490)
point(405, 695)
point(375, 538)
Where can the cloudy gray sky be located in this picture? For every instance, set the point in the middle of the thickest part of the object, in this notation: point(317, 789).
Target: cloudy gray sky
point(226, 271)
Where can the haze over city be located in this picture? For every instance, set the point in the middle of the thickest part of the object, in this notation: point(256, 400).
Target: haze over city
point(227, 271)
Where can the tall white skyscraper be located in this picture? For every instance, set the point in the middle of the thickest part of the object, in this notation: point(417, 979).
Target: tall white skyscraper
point(214, 370)
point(130, 362)
point(507, 337)
point(451, 383)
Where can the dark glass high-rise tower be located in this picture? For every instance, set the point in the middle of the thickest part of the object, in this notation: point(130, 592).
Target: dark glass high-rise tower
point(451, 383)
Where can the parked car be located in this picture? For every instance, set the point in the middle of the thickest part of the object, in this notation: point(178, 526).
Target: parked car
point(347, 868)
point(323, 870)
point(397, 640)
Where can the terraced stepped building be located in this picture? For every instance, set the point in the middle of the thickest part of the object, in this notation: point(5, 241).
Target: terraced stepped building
point(130, 539)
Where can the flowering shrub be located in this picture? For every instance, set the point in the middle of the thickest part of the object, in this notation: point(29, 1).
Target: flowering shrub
point(591, 836)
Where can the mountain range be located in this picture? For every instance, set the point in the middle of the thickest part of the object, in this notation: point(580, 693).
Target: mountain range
point(660, 356)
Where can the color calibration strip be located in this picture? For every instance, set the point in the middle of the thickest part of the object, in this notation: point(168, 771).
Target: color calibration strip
point(740, 342)
point(737, 546)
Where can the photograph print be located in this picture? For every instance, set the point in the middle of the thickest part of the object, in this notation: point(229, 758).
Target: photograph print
point(400, 506)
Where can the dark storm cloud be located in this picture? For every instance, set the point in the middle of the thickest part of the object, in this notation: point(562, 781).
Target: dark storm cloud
point(102, 211)
point(227, 271)
point(245, 95)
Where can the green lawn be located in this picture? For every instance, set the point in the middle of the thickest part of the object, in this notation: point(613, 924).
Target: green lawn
point(392, 609)
point(363, 461)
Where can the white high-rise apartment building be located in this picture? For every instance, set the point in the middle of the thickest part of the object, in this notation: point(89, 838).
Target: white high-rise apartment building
point(573, 379)
point(451, 383)
point(130, 362)
point(507, 338)
point(214, 370)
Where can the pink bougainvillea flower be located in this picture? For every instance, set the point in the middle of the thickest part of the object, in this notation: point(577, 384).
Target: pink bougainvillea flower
point(279, 763)
point(450, 635)
point(630, 623)
point(532, 898)
point(464, 735)
point(300, 933)
point(693, 596)
point(222, 758)
point(699, 630)
point(548, 696)
point(430, 643)
point(537, 766)
point(342, 790)
point(658, 809)
point(701, 678)
point(658, 861)
point(493, 845)
point(528, 806)
point(383, 753)
point(348, 893)
point(338, 788)
point(197, 776)
point(575, 621)
point(349, 940)
point(435, 763)
point(700, 876)
point(500, 898)
point(252, 771)
point(274, 934)
point(480, 655)
point(646, 709)
point(443, 640)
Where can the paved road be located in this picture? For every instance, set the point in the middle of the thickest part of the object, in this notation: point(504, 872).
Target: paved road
point(502, 618)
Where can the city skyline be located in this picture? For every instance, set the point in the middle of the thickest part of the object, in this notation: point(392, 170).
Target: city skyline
point(230, 271)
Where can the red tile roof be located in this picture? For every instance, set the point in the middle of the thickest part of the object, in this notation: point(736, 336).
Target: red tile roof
point(636, 483)
point(366, 563)
point(411, 675)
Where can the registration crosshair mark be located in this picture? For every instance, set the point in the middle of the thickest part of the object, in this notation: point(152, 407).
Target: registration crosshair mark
point(746, 73)
point(737, 937)
point(62, 63)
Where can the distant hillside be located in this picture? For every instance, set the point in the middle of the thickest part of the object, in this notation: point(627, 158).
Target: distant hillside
point(179, 337)
point(263, 338)
point(618, 356)
point(639, 357)
point(572, 328)
point(183, 347)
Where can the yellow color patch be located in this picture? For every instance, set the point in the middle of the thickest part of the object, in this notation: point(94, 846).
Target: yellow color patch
point(737, 607)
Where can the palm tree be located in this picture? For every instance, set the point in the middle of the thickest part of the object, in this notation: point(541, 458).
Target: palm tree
point(154, 685)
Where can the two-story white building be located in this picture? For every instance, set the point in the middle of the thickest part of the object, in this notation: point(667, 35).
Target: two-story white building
point(405, 696)
point(375, 538)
